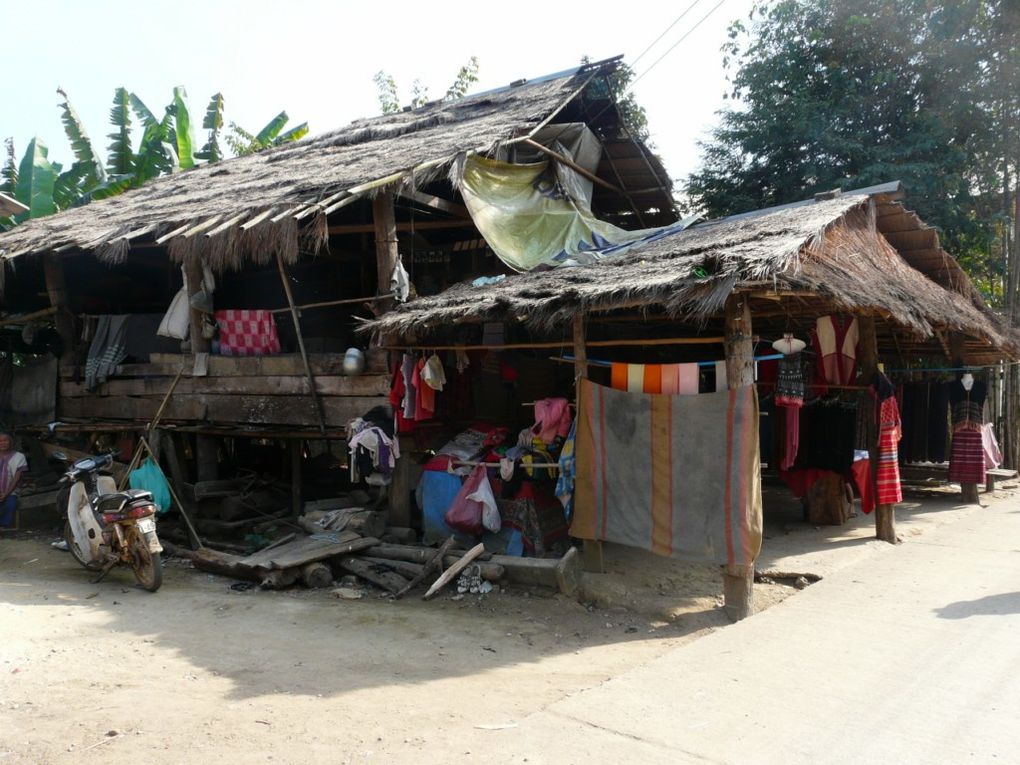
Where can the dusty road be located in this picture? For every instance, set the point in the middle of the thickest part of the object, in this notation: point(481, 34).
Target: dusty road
point(198, 672)
point(201, 673)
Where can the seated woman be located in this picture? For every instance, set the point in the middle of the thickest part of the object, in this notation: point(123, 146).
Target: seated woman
point(12, 467)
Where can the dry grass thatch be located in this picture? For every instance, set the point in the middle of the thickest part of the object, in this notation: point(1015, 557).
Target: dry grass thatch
point(298, 182)
point(828, 248)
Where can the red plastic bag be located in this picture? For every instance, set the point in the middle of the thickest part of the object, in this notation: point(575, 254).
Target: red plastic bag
point(465, 515)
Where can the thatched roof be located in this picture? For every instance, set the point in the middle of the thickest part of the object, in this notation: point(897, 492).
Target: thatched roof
point(828, 248)
point(299, 182)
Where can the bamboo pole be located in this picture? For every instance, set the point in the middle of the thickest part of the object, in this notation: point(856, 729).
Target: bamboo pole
point(301, 342)
point(573, 166)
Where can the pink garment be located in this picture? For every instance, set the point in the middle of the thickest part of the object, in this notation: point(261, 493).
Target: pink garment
point(552, 418)
point(671, 379)
point(687, 378)
point(990, 446)
point(247, 333)
point(835, 340)
point(792, 437)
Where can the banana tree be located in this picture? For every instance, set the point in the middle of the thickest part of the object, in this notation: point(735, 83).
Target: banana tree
point(242, 142)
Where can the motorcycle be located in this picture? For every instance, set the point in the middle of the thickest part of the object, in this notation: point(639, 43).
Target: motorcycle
point(104, 527)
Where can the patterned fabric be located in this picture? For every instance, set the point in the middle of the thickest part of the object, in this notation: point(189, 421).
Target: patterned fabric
point(107, 350)
point(835, 340)
point(967, 460)
point(669, 379)
point(247, 333)
point(676, 475)
point(790, 386)
point(888, 487)
point(568, 470)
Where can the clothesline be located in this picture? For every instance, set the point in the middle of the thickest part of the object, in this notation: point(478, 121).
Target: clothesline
point(566, 359)
point(524, 465)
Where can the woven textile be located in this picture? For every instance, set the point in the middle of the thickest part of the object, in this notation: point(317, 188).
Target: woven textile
point(677, 475)
point(967, 460)
point(247, 333)
point(888, 487)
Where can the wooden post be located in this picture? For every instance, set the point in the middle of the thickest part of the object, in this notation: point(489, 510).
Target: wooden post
point(207, 458)
point(301, 342)
point(386, 253)
point(738, 581)
point(56, 288)
point(295, 477)
point(193, 275)
point(867, 356)
point(593, 561)
point(968, 491)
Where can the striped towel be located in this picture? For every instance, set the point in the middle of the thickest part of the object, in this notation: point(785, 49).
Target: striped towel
point(675, 475)
point(671, 379)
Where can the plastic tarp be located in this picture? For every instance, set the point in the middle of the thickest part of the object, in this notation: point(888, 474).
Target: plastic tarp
point(539, 214)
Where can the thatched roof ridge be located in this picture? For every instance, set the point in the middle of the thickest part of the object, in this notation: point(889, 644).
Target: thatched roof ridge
point(830, 248)
point(294, 178)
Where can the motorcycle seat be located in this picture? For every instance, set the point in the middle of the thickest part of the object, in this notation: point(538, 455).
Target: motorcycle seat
point(121, 498)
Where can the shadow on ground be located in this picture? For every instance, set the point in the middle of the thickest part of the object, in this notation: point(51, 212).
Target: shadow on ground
point(1001, 604)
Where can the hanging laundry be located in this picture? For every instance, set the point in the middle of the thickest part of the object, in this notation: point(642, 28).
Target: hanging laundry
point(835, 342)
point(425, 403)
point(552, 419)
point(618, 376)
point(410, 404)
point(635, 378)
point(400, 282)
point(397, 393)
point(720, 376)
point(653, 379)
point(887, 477)
point(677, 475)
point(107, 350)
point(463, 362)
point(990, 445)
point(568, 470)
point(247, 333)
point(372, 449)
point(433, 374)
point(670, 379)
point(790, 397)
point(688, 379)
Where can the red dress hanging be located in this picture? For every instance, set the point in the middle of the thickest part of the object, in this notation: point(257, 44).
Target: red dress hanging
point(888, 488)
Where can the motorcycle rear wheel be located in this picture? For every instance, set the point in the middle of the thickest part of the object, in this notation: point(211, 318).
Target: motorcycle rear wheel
point(147, 565)
point(73, 549)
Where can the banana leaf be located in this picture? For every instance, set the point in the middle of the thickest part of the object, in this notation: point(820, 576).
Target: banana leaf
point(36, 178)
point(120, 159)
point(182, 131)
point(81, 146)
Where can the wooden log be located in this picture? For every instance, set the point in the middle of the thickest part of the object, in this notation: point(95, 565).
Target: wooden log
point(386, 254)
point(224, 564)
point(450, 573)
point(310, 549)
point(376, 574)
point(738, 581)
point(402, 567)
point(434, 563)
point(277, 579)
point(563, 574)
point(490, 571)
point(827, 501)
point(316, 575)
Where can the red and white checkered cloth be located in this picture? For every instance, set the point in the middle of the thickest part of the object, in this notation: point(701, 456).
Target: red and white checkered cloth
point(247, 333)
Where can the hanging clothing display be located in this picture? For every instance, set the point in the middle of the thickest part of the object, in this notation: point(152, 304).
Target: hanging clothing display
point(835, 342)
point(827, 435)
point(568, 470)
point(790, 397)
point(993, 456)
point(670, 379)
point(676, 475)
point(552, 419)
point(433, 374)
point(247, 333)
point(967, 458)
point(887, 480)
point(107, 350)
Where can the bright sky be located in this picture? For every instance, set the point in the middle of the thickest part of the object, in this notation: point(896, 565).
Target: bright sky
point(316, 58)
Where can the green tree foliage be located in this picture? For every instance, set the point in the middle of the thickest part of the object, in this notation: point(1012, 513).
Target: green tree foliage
point(166, 146)
point(849, 93)
point(389, 98)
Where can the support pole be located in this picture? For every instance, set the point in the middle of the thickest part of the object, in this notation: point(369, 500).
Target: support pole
point(867, 355)
point(56, 288)
point(968, 491)
point(387, 255)
point(193, 275)
point(295, 477)
point(593, 561)
point(301, 342)
point(738, 581)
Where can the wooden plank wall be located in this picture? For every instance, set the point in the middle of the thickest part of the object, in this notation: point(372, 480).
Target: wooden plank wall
point(268, 390)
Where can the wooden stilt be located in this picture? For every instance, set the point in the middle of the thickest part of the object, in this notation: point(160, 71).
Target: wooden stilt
point(387, 256)
point(193, 274)
point(593, 561)
point(296, 502)
point(738, 581)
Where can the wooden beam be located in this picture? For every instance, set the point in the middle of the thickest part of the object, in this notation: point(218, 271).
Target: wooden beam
point(593, 560)
point(425, 225)
point(27, 317)
point(193, 274)
point(738, 581)
point(435, 203)
point(387, 256)
point(573, 166)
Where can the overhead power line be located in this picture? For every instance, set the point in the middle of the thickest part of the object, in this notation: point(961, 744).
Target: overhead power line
point(664, 33)
point(674, 45)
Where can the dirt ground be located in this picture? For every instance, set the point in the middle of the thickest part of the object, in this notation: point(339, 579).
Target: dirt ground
point(200, 672)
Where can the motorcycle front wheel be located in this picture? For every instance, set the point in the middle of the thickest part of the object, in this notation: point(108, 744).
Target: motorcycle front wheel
point(147, 565)
point(72, 547)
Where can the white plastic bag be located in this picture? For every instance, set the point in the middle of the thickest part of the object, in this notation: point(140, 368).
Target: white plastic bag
point(490, 513)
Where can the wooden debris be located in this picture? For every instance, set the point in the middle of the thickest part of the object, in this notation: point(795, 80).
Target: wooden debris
point(316, 574)
point(370, 572)
point(491, 572)
point(433, 563)
point(402, 567)
point(454, 570)
point(310, 549)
